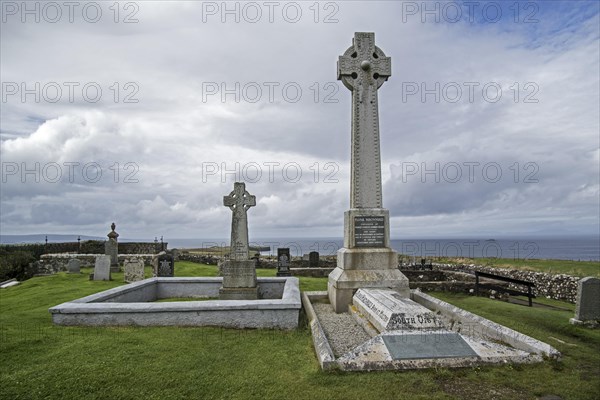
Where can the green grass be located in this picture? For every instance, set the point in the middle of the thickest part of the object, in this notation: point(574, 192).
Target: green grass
point(41, 361)
point(186, 268)
point(569, 267)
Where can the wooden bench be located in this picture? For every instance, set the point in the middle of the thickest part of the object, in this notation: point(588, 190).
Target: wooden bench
point(513, 292)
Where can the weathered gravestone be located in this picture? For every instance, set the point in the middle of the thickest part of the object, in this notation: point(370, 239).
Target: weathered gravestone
point(283, 261)
point(165, 266)
point(111, 248)
point(74, 266)
point(313, 259)
point(154, 263)
point(366, 260)
point(239, 272)
point(134, 270)
point(102, 268)
point(587, 311)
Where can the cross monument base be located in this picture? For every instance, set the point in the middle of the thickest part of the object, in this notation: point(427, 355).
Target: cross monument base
point(238, 293)
point(364, 268)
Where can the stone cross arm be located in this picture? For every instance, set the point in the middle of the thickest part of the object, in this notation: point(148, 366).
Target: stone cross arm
point(364, 63)
point(239, 198)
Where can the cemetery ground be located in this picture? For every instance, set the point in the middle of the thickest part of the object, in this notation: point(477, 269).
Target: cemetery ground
point(40, 360)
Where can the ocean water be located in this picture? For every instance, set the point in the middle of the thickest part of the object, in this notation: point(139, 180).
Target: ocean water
point(585, 248)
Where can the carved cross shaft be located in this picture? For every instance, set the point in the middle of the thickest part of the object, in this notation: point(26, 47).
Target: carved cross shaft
point(239, 201)
point(363, 68)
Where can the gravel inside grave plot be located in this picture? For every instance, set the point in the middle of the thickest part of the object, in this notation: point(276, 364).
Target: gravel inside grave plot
point(342, 331)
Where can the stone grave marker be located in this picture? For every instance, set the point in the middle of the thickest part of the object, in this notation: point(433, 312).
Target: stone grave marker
point(154, 263)
point(165, 266)
point(74, 266)
point(283, 261)
point(313, 259)
point(134, 270)
point(587, 311)
point(102, 268)
point(111, 248)
point(366, 260)
point(239, 272)
point(389, 311)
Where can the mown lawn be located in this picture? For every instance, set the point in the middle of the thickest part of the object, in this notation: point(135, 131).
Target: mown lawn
point(41, 361)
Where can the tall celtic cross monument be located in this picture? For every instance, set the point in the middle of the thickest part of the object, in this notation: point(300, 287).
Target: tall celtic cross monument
point(366, 260)
point(239, 201)
point(239, 273)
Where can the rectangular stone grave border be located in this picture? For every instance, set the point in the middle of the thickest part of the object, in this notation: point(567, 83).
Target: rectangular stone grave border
point(133, 304)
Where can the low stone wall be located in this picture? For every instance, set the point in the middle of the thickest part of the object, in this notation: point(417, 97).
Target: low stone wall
point(141, 247)
point(264, 262)
point(558, 287)
point(199, 258)
point(53, 263)
point(85, 247)
point(438, 280)
point(454, 278)
point(437, 275)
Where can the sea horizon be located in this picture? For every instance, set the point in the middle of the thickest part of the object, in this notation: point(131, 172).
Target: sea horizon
point(574, 247)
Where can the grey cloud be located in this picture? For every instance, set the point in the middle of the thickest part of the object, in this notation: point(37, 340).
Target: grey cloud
point(172, 132)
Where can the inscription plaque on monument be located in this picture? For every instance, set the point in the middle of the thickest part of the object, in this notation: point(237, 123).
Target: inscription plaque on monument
point(388, 311)
point(419, 346)
point(369, 231)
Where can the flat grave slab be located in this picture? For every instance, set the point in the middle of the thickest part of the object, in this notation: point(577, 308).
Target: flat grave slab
point(387, 310)
point(405, 346)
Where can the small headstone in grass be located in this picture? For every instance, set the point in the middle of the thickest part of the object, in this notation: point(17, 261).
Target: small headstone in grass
point(74, 266)
point(587, 311)
point(313, 259)
point(154, 263)
point(166, 266)
point(111, 248)
point(102, 268)
point(134, 270)
point(283, 261)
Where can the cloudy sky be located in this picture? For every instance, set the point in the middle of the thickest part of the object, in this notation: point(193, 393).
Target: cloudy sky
point(146, 112)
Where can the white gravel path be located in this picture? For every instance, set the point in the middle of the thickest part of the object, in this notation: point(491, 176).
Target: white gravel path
point(342, 331)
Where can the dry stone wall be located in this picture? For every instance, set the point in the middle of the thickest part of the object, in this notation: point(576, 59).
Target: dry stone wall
point(557, 287)
point(53, 263)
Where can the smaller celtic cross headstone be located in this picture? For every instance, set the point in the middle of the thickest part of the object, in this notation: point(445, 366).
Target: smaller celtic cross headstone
point(239, 272)
point(239, 201)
